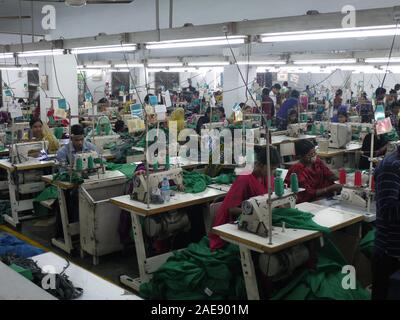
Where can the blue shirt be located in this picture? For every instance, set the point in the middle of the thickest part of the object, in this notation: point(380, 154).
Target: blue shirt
point(63, 153)
point(387, 177)
point(285, 108)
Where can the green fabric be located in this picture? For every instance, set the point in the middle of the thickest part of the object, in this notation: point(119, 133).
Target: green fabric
point(195, 182)
point(225, 178)
point(323, 283)
point(58, 132)
point(128, 169)
point(22, 271)
point(296, 219)
point(367, 243)
point(47, 194)
point(76, 179)
point(2, 148)
point(189, 274)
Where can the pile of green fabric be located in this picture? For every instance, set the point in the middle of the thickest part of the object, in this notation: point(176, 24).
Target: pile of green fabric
point(59, 132)
point(195, 182)
point(128, 169)
point(324, 283)
point(65, 177)
point(225, 178)
point(197, 273)
point(367, 243)
point(49, 193)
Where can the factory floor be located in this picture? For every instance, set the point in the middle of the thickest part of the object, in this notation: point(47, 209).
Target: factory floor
point(110, 267)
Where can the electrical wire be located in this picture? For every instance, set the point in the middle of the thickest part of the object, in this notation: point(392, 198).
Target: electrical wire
point(390, 54)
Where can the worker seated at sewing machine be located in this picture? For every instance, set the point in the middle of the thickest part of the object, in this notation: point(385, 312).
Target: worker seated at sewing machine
point(103, 128)
point(340, 135)
point(77, 144)
point(40, 132)
point(381, 144)
point(285, 114)
point(313, 175)
point(244, 188)
point(218, 116)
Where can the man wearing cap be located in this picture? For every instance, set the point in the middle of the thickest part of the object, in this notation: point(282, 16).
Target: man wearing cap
point(313, 174)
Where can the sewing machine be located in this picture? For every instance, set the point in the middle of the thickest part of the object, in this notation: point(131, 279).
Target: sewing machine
point(255, 212)
point(213, 125)
point(392, 146)
point(256, 133)
point(85, 161)
point(141, 187)
point(340, 135)
point(101, 141)
point(296, 129)
point(22, 152)
point(354, 197)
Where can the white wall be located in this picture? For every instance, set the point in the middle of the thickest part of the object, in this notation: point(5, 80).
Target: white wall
point(16, 80)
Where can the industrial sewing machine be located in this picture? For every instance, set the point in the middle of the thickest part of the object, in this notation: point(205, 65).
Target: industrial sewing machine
point(22, 152)
point(213, 125)
point(297, 129)
point(141, 187)
point(101, 141)
point(255, 212)
point(86, 161)
point(340, 135)
point(355, 197)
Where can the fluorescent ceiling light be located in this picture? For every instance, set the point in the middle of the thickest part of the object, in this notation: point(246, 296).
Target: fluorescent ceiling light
point(41, 53)
point(6, 55)
point(261, 63)
point(89, 70)
point(383, 60)
point(129, 65)
point(327, 61)
point(376, 31)
point(118, 70)
point(192, 70)
point(19, 68)
point(199, 42)
point(166, 64)
point(94, 66)
point(220, 63)
point(104, 49)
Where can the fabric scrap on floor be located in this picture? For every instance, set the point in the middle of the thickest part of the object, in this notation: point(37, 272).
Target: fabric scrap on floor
point(12, 245)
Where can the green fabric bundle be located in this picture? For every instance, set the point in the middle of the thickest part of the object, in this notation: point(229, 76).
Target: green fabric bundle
point(197, 273)
point(48, 193)
point(58, 132)
point(128, 169)
point(296, 219)
point(367, 243)
point(324, 283)
point(195, 182)
point(225, 178)
point(76, 179)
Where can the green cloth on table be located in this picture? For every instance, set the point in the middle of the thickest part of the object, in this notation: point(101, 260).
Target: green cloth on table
point(367, 243)
point(323, 283)
point(197, 273)
point(296, 219)
point(128, 169)
point(195, 182)
point(76, 179)
point(58, 132)
point(225, 178)
point(48, 193)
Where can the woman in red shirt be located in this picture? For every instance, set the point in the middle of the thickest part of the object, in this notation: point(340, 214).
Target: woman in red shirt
point(244, 188)
point(313, 174)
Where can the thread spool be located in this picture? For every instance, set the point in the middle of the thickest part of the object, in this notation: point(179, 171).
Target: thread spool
point(279, 187)
point(79, 164)
point(313, 129)
point(357, 179)
point(90, 163)
point(294, 183)
point(373, 183)
point(342, 176)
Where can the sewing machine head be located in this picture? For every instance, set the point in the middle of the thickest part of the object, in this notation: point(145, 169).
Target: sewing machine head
point(255, 212)
point(213, 125)
point(296, 129)
point(340, 135)
point(354, 197)
point(22, 152)
point(141, 187)
point(86, 161)
point(101, 141)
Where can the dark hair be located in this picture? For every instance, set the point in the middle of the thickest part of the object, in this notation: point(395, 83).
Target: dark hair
point(397, 87)
point(392, 91)
point(380, 91)
point(221, 109)
point(277, 86)
point(286, 84)
point(147, 98)
point(119, 125)
point(33, 121)
point(395, 104)
point(241, 105)
point(265, 92)
point(261, 155)
point(295, 94)
point(339, 92)
point(208, 110)
point(77, 130)
point(303, 147)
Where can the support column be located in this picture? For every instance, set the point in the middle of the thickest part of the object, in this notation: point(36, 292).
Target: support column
point(62, 82)
point(234, 88)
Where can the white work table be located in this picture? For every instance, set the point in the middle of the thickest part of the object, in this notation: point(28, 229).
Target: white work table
point(94, 287)
point(331, 152)
point(278, 139)
point(16, 188)
point(333, 219)
point(137, 210)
